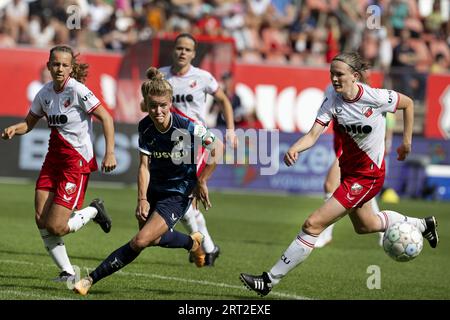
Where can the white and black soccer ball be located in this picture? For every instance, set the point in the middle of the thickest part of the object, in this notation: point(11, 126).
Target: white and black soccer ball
point(402, 241)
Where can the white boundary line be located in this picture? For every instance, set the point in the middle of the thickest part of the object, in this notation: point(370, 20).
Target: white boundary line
point(157, 276)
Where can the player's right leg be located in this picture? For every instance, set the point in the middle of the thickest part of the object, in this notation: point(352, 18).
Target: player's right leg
point(52, 242)
point(299, 249)
point(152, 231)
point(157, 231)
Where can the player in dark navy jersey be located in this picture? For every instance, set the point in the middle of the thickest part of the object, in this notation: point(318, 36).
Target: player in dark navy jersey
point(167, 179)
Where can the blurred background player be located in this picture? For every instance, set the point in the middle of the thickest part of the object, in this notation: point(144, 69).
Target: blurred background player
point(359, 112)
point(165, 184)
point(36, 85)
point(68, 107)
point(190, 87)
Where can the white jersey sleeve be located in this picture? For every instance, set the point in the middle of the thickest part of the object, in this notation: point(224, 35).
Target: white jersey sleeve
point(386, 100)
point(86, 99)
point(211, 85)
point(325, 113)
point(36, 106)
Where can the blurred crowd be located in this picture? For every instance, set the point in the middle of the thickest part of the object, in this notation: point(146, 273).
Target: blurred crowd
point(412, 36)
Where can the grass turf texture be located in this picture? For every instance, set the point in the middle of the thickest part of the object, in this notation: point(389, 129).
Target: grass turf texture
point(252, 231)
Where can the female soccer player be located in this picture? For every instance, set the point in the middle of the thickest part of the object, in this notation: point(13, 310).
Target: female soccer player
point(167, 179)
point(359, 111)
point(190, 87)
point(68, 107)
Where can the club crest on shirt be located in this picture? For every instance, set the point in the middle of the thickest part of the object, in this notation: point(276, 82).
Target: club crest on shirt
point(368, 111)
point(70, 188)
point(355, 189)
point(67, 103)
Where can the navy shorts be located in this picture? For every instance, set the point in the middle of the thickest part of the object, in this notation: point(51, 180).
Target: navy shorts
point(171, 207)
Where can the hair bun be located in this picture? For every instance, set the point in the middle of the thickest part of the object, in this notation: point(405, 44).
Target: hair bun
point(153, 73)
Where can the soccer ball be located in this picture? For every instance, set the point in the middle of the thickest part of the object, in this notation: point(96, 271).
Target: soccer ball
point(402, 241)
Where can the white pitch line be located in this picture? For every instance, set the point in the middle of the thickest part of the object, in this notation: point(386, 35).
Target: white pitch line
point(209, 283)
point(157, 276)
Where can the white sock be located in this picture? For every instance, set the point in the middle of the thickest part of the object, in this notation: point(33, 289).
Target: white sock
point(189, 221)
point(208, 244)
point(324, 237)
point(389, 217)
point(79, 218)
point(296, 253)
point(376, 209)
point(57, 250)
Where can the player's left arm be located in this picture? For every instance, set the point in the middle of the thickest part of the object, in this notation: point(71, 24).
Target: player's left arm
point(227, 109)
point(406, 104)
point(109, 160)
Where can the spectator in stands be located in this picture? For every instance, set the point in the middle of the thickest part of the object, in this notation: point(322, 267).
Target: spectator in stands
point(440, 64)
point(403, 68)
point(16, 16)
point(398, 14)
point(36, 85)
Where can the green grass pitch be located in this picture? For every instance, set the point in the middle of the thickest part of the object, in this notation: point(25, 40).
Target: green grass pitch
point(252, 231)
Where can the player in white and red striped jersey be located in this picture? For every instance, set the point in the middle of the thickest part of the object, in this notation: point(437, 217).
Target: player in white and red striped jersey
point(191, 86)
point(359, 112)
point(68, 106)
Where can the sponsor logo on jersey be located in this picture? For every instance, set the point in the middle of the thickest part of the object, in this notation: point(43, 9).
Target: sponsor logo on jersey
point(182, 98)
point(356, 189)
point(70, 188)
point(338, 110)
point(390, 98)
point(86, 97)
point(47, 102)
point(355, 128)
point(56, 119)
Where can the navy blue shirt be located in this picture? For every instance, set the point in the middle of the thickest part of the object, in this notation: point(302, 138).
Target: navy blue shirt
point(171, 155)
